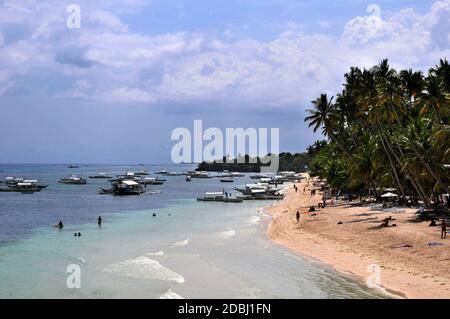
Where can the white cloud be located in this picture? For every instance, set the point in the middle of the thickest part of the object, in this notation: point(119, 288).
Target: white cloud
point(106, 61)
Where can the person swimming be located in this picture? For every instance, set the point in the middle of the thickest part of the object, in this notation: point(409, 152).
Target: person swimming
point(154, 215)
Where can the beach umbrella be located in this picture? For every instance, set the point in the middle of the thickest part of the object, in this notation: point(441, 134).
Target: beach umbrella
point(387, 195)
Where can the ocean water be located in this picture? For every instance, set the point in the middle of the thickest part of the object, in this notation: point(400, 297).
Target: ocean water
point(189, 249)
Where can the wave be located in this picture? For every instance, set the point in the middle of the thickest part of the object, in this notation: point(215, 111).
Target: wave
point(144, 267)
point(254, 219)
point(181, 243)
point(228, 233)
point(170, 295)
point(158, 253)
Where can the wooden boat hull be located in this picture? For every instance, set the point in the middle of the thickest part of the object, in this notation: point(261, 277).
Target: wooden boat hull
point(7, 190)
point(73, 183)
point(223, 200)
point(264, 197)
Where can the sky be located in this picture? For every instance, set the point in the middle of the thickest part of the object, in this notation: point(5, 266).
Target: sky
point(113, 90)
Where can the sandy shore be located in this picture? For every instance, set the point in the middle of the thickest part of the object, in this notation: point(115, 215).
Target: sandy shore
point(420, 271)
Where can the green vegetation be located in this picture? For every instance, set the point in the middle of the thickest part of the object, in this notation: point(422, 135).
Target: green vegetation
point(287, 162)
point(387, 129)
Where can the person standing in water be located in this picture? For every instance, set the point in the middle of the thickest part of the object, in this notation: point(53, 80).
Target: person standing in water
point(99, 221)
point(60, 225)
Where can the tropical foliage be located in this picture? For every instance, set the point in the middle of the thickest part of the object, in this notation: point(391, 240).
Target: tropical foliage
point(297, 162)
point(387, 129)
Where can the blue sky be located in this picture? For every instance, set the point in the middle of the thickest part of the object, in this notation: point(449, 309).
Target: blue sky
point(113, 90)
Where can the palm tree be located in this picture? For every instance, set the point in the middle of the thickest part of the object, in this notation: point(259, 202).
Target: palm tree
point(412, 82)
point(323, 116)
point(442, 71)
point(434, 100)
point(394, 125)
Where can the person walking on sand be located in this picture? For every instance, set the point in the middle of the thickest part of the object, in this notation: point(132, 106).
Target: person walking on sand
point(99, 221)
point(297, 216)
point(443, 230)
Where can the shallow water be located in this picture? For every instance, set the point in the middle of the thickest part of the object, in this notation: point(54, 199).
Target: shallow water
point(190, 249)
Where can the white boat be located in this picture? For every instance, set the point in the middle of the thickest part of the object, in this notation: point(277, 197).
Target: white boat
point(124, 187)
point(219, 197)
point(151, 181)
point(75, 180)
point(100, 176)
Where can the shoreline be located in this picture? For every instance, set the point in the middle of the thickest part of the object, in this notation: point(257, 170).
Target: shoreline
point(351, 247)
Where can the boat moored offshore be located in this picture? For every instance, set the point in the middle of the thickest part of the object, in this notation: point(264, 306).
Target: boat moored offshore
point(100, 176)
point(74, 180)
point(124, 187)
point(219, 197)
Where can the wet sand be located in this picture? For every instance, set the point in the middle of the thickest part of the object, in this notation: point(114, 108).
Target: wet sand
point(420, 271)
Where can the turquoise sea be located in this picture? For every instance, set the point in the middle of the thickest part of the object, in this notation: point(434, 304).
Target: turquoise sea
point(189, 249)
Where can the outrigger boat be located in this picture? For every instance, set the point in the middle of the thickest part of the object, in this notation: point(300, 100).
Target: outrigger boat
point(100, 176)
point(258, 176)
point(141, 173)
point(219, 197)
point(25, 186)
point(73, 166)
point(151, 181)
point(194, 174)
point(129, 176)
point(166, 173)
point(13, 181)
point(261, 194)
point(249, 188)
point(227, 180)
point(124, 187)
point(75, 180)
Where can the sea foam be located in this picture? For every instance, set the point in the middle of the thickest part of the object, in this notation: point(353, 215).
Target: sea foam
point(158, 253)
point(170, 295)
point(254, 220)
point(181, 242)
point(144, 267)
point(228, 233)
